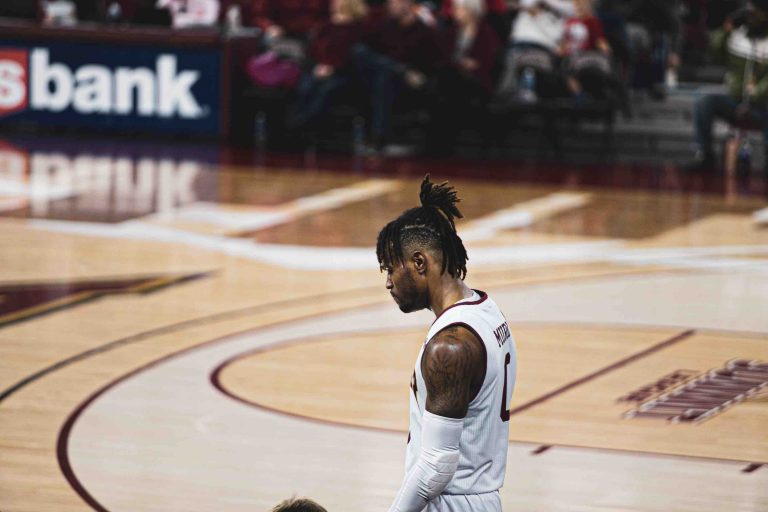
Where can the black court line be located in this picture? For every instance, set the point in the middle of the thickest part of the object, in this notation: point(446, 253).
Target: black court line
point(599, 373)
point(541, 449)
point(752, 468)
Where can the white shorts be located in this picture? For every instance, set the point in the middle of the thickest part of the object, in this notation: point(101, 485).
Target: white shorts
point(488, 502)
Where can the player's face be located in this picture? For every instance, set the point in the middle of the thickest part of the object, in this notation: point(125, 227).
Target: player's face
point(403, 285)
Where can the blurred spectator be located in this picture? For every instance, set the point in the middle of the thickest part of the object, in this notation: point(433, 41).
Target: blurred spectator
point(586, 51)
point(59, 12)
point(536, 34)
point(474, 49)
point(654, 31)
point(397, 58)
point(489, 7)
point(288, 25)
point(293, 18)
point(191, 13)
point(541, 22)
point(299, 505)
point(583, 32)
point(615, 29)
point(329, 52)
point(745, 51)
point(496, 14)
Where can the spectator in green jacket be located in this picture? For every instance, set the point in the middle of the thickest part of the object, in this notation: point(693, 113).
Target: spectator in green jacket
point(744, 49)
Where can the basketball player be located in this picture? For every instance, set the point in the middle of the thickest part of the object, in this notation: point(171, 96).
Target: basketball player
point(465, 372)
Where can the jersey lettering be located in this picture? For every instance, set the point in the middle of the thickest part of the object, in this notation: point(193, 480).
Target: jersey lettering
point(502, 334)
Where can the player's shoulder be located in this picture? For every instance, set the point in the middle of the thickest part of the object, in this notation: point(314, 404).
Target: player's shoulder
point(453, 335)
point(455, 346)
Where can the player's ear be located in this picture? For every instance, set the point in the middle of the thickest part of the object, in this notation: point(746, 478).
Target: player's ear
point(420, 262)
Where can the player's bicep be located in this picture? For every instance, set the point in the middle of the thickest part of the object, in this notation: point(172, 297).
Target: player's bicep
point(453, 365)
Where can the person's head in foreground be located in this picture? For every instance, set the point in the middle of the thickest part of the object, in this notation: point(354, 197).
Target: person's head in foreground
point(421, 252)
point(298, 505)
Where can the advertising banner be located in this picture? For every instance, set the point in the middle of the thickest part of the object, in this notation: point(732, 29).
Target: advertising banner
point(111, 87)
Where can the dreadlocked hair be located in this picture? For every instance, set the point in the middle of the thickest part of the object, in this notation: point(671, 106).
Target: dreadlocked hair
point(430, 226)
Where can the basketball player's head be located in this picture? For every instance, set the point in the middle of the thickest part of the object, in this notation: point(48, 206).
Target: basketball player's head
point(298, 505)
point(420, 249)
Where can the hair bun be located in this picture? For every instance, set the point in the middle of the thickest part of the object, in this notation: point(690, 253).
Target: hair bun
point(442, 197)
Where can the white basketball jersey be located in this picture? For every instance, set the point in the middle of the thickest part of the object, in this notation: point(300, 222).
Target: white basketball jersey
point(485, 437)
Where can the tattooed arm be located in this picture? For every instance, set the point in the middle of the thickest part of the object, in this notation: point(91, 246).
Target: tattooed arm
point(453, 366)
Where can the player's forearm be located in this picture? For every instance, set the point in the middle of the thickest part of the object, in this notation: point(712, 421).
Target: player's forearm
point(436, 465)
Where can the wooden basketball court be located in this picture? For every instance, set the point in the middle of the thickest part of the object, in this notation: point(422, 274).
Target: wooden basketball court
point(178, 336)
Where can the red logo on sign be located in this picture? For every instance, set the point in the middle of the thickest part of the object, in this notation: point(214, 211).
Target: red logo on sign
point(14, 77)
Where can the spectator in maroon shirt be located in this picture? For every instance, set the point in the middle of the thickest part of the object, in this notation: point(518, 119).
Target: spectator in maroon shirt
point(329, 52)
point(396, 58)
point(469, 78)
point(293, 18)
point(473, 45)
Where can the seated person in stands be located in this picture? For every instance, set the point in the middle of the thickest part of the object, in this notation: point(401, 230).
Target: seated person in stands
point(745, 50)
point(534, 40)
point(291, 18)
point(654, 30)
point(329, 51)
point(396, 58)
point(496, 14)
point(474, 47)
point(587, 56)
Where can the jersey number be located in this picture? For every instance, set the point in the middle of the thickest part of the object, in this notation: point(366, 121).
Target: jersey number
point(504, 411)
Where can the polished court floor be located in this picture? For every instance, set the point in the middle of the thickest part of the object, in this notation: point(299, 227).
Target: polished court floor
point(197, 331)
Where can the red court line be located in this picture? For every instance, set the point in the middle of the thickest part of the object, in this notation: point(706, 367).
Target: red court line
point(599, 373)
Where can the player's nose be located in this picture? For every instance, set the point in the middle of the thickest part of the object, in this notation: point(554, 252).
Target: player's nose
point(389, 284)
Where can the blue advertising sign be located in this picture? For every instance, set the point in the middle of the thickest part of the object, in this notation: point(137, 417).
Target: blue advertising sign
point(104, 86)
